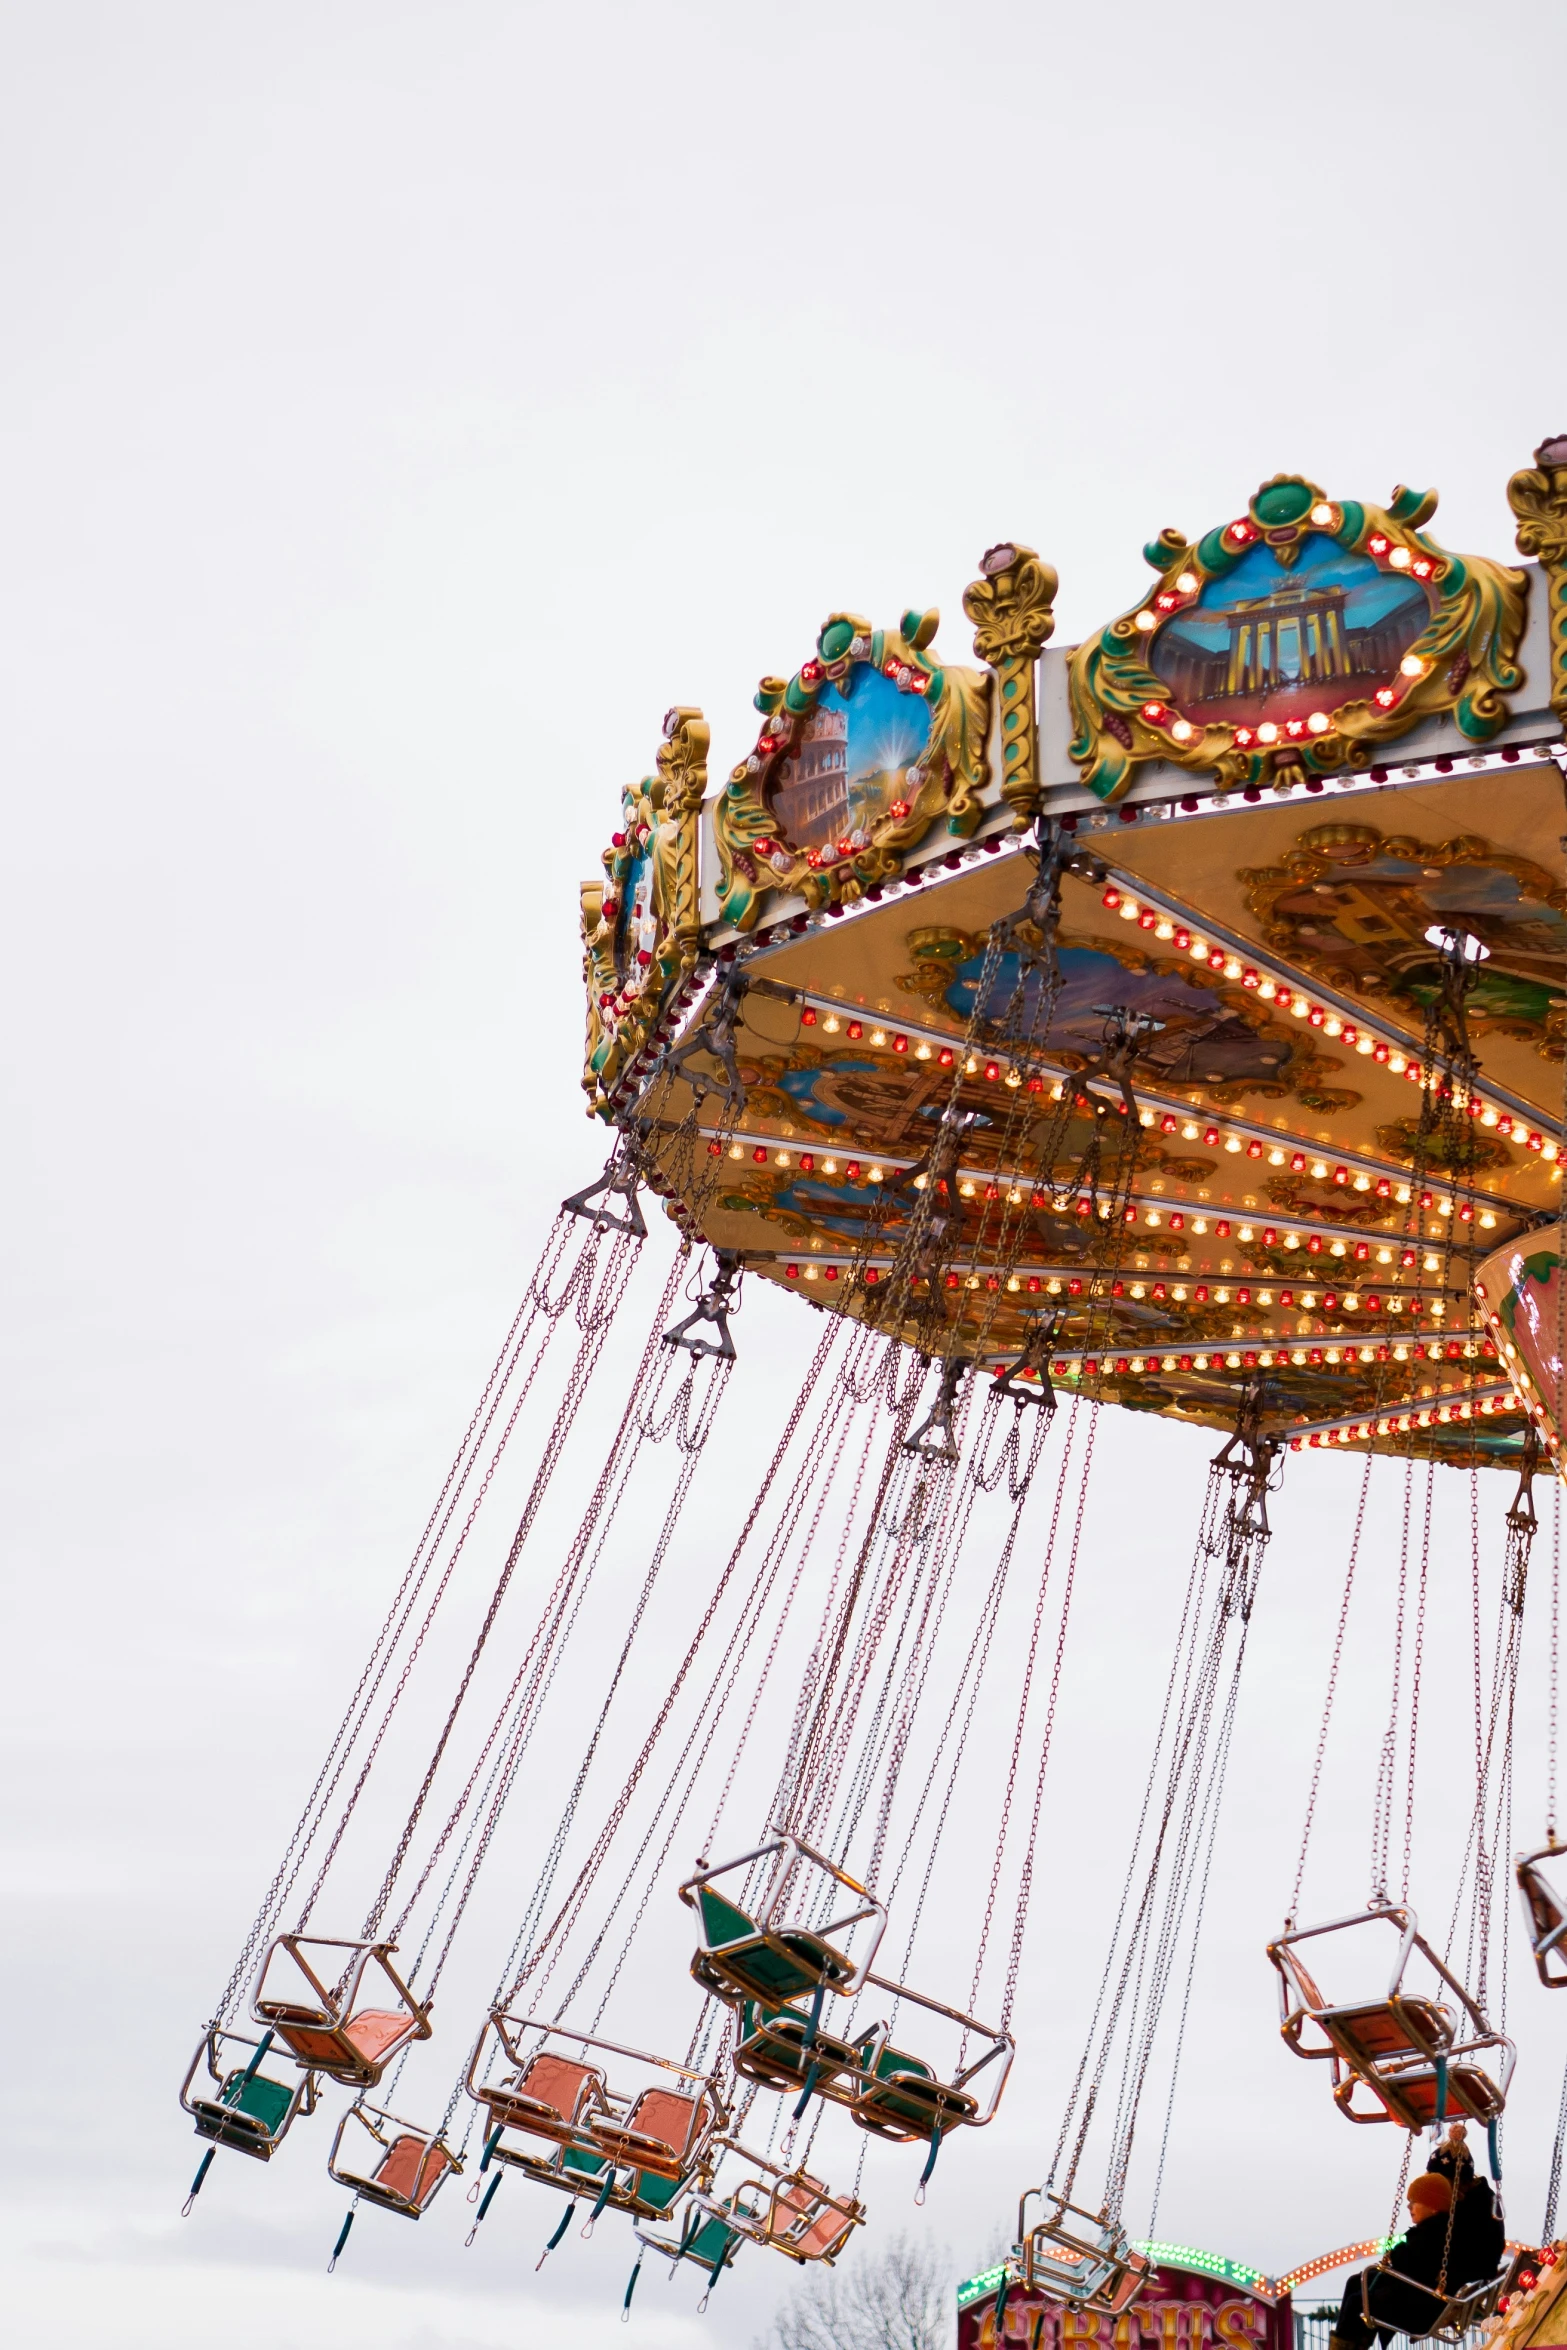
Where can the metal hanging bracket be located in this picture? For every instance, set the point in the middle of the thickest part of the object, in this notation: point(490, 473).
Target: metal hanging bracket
point(935, 1439)
point(712, 1310)
point(618, 1182)
point(1034, 1357)
point(715, 1034)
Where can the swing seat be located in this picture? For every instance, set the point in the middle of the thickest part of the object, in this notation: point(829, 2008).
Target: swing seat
point(1456, 2314)
point(1547, 1918)
point(408, 2175)
point(1415, 2098)
point(806, 2222)
point(251, 2113)
point(401, 2169)
point(238, 2105)
point(713, 2246)
point(1079, 2257)
point(770, 1956)
point(905, 2101)
point(740, 1961)
point(773, 2052)
point(548, 2098)
point(658, 2135)
point(1388, 2031)
point(327, 2028)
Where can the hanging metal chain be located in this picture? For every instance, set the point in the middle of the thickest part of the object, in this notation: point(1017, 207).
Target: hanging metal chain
point(1415, 1680)
point(1327, 1708)
point(1382, 1799)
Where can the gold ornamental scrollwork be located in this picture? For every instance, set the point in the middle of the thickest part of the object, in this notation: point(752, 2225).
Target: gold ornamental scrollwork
point(1458, 659)
point(641, 925)
point(866, 846)
point(1538, 497)
point(1012, 606)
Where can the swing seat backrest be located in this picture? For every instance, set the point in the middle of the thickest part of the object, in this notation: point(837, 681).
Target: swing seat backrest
point(777, 1966)
point(806, 2223)
point(773, 2051)
point(712, 2246)
point(356, 2051)
point(411, 2169)
point(254, 2099)
point(1123, 2287)
point(657, 2134)
point(548, 2097)
point(905, 2100)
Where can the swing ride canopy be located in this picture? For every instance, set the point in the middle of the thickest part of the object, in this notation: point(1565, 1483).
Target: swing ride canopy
point(1267, 1085)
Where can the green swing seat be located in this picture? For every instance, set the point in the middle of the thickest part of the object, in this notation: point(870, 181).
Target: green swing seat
point(904, 2100)
point(739, 1960)
point(777, 2050)
point(249, 2112)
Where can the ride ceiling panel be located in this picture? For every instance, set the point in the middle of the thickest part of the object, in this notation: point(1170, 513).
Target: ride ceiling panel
point(1344, 896)
point(1221, 1240)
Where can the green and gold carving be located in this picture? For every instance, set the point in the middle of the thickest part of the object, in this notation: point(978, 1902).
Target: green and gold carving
point(634, 957)
point(754, 857)
point(1538, 497)
point(1463, 664)
point(1012, 608)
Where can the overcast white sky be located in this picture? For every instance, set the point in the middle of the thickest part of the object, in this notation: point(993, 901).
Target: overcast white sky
point(402, 405)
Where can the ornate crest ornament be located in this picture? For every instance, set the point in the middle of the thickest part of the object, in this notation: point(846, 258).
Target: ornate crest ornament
point(1293, 641)
point(860, 753)
point(641, 925)
point(1538, 497)
point(1012, 608)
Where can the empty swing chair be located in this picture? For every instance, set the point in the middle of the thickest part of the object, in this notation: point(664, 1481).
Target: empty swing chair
point(769, 1957)
point(1079, 2257)
point(705, 2237)
point(787, 2210)
point(389, 2161)
point(331, 2025)
point(234, 2103)
point(553, 2114)
point(900, 2096)
point(1414, 2053)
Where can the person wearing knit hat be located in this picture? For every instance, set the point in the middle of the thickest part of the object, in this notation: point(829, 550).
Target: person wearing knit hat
point(1457, 2237)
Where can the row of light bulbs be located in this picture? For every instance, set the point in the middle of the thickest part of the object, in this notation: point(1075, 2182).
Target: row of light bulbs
point(1152, 1218)
point(1192, 1129)
point(1224, 961)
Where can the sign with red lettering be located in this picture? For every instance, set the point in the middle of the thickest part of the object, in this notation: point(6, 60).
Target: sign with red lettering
point(1176, 2310)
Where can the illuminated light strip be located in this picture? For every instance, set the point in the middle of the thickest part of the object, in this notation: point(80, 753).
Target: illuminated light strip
point(1412, 1419)
point(788, 1151)
point(1334, 1012)
point(1435, 767)
point(1369, 2248)
point(1101, 1088)
point(1117, 1360)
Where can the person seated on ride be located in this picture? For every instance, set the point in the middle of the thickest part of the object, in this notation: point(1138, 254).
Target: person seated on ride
point(1448, 2247)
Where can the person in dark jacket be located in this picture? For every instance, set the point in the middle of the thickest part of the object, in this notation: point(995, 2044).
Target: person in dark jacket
point(1457, 2239)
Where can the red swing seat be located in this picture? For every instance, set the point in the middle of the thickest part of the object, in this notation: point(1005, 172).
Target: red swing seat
point(406, 2169)
point(548, 2098)
point(1413, 2054)
point(329, 2026)
point(658, 2135)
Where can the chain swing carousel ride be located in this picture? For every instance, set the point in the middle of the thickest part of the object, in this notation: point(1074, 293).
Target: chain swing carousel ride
point(1174, 1022)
